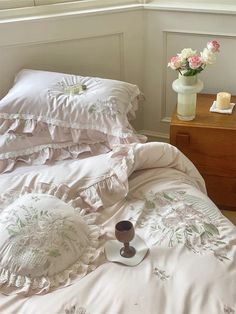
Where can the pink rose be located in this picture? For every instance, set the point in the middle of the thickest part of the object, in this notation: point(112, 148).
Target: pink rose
point(175, 63)
point(195, 62)
point(213, 46)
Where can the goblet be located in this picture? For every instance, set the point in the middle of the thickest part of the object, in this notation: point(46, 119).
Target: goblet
point(124, 232)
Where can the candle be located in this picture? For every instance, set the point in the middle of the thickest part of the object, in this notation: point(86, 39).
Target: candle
point(223, 100)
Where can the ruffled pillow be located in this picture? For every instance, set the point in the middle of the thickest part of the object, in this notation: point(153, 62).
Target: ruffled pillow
point(58, 102)
point(56, 116)
point(45, 240)
point(37, 150)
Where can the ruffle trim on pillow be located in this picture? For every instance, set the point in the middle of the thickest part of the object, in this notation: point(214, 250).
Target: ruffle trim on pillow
point(106, 192)
point(103, 193)
point(131, 114)
point(114, 187)
point(29, 124)
point(41, 154)
point(13, 283)
point(123, 159)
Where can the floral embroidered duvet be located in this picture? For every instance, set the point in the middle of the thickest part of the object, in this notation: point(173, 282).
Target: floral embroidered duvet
point(191, 264)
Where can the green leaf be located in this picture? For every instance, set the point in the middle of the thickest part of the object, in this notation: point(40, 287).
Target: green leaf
point(11, 232)
point(222, 258)
point(194, 228)
point(54, 253)
point(150, 204)
point(220, 242)
point(202, 235)
point(167, 197)
point(210, 228)
point(21, 224)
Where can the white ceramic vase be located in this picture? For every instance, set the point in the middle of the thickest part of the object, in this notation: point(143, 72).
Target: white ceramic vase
point(187, 88)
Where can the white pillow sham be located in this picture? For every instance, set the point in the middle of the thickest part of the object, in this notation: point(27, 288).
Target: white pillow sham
point(51, 100)
point(38, 150)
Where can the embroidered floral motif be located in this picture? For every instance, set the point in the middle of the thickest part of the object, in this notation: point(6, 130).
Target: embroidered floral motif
point(228, 310)
point(76, 310)
point(161, 274)
point(73, 85)
point(35, 198)
point(107, 107)
point(46, 239)
point(7, 198)
point(174, 217)
point(9, 137)
point(70, 85)
point(26, 231)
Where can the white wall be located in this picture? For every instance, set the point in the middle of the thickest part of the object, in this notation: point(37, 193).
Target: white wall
point(106, 44)
point(132, 45)
point(168, 32)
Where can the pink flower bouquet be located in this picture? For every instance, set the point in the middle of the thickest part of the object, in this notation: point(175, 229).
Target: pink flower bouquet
point(189, 62)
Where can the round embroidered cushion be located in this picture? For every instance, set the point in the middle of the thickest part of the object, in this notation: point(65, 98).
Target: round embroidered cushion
point(41, 236)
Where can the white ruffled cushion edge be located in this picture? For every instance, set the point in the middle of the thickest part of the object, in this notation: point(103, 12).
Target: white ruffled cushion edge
point(95, 196)
point(41, 154)
point(105, 192)
point(114, 187)
point(11, 283)
point(27, 123)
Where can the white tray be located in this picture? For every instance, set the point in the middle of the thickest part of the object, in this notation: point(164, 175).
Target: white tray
point(112, 251)
point(225, 111)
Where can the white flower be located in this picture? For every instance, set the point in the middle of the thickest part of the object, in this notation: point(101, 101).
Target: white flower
point(208, 57)
point(187, 53)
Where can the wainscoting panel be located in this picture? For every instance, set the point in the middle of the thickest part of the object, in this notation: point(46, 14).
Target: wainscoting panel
point(216, 77)
point(167, 33)
point(132, 45)
point(77, 56)
point(107, 45)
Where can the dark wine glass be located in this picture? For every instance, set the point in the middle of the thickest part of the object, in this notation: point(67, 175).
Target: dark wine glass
point(124, 232)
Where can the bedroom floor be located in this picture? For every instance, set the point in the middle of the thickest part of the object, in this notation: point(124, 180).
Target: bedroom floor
point(231, 215)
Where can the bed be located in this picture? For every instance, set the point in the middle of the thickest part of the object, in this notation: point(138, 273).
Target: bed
point(71, 168)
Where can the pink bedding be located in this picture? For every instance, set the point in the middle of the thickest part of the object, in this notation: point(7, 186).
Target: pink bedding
point(191, 265)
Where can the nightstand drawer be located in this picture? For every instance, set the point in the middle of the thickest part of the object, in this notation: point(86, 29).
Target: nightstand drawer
point(213, 151)
point(209, 141)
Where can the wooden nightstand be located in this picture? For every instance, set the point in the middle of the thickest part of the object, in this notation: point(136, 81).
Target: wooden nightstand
point(209, 141)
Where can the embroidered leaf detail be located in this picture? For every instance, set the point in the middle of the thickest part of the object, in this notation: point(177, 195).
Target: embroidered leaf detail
point(161, 274)
point(150, 204)
point(92, 109)
point(210, 228)
point(21, 223)
point(54, 253)
point(194, 228)
point(174, 217)
point(12, 232)
point(167, 197)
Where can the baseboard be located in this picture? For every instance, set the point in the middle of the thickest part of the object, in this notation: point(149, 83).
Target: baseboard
point(155, 136)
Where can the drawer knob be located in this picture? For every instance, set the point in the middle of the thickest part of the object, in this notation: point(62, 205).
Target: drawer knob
point(182, 139)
